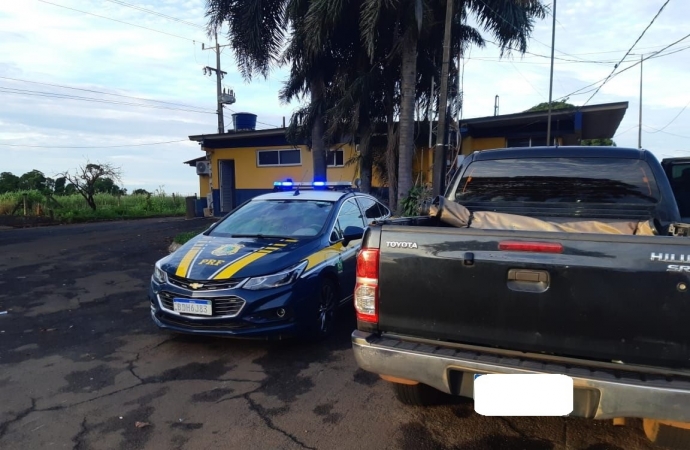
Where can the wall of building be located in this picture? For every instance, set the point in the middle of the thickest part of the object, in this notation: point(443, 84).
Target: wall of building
point(249, 175)
point(488, 143)
point(252, 180)
point(204, 187)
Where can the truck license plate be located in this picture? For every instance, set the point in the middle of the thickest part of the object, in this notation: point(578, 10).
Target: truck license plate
point(523, 394)
point(198, 307)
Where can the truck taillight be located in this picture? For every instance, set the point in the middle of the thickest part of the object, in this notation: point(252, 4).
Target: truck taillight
point(534, 247)
point(367, 287)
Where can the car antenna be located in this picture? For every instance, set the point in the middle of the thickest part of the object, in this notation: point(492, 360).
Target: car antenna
point(297, 188)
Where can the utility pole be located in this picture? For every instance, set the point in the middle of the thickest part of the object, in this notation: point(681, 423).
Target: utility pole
point(219, 76)
point(553, 44)
point(639, 129)
point(440, 151)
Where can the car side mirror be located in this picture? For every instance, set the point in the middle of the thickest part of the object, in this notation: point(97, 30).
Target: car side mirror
point(352, 234)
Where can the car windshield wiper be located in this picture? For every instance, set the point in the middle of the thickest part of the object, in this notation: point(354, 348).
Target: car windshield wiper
point(262, 236)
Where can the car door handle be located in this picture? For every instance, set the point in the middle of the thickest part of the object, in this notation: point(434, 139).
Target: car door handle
point(524, 280)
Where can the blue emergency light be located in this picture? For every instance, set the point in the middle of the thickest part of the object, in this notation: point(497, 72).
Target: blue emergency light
point(289, 185)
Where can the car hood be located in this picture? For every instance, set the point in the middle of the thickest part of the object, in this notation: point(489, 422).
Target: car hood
point(212, 257)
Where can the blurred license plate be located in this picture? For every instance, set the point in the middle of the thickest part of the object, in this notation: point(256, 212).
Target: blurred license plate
point(199, 307)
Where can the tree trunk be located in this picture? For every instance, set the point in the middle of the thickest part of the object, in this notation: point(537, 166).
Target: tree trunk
point(366, 160)
point(440, 151)
point(408, 88)
point(318, 146)
point(91, 201)
point(392, 164)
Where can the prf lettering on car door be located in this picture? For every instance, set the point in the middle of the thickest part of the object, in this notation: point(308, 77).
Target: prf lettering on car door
point(211, 262)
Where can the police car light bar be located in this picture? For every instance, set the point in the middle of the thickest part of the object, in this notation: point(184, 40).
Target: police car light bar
point(289, 185)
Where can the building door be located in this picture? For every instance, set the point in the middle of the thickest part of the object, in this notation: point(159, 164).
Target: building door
point(227, 185)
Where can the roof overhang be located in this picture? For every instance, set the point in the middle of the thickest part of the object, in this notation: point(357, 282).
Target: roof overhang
point(192, 162)
point(584, 122)
point(232, 139)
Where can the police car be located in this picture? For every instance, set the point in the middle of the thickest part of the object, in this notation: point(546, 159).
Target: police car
point(279, 265)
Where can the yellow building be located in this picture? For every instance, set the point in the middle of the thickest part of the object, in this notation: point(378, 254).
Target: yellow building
point(240, 165)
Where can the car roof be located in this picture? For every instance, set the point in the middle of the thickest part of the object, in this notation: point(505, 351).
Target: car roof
point(327, 195)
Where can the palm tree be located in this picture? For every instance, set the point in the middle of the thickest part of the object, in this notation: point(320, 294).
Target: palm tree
point(509, 21)
point(258, 32)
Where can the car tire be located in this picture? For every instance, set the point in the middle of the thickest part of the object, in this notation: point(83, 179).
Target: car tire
point(666, 436)
point(417, 394)
point(323, 315)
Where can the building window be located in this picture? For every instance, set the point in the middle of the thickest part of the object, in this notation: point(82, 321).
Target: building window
point(335, 158)
point(267, 158)
point(527, 142)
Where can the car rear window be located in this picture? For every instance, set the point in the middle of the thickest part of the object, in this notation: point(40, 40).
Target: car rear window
point(558, 180)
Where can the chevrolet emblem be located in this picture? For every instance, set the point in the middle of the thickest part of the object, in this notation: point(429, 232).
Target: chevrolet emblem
point(196, 285)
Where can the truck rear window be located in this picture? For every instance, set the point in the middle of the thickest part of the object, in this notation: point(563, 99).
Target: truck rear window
point(558, 180)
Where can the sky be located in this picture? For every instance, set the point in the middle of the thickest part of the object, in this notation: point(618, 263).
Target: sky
point(140, 80)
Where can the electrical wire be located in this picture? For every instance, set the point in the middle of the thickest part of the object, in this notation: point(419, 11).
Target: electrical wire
point(672, 120)
point(654, 55)
point(101, 146)
point(100, 92)
point(629, 50)
point(118, 21)
point(90, 99)
point(516, 28)
point(665, 132)
point(165, 16)
point(527, 80)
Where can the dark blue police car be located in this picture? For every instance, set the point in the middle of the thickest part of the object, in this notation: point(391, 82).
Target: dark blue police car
point(277, 266)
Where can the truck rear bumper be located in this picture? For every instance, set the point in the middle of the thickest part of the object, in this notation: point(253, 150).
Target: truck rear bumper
point(599, 393)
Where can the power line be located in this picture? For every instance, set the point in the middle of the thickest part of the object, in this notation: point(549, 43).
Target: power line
point(527, 80)
point(101, 146)
point(630, 50)
point(516, 28)
point(90, 99)
point(672, 120)
point(165, 16)
point(118, 21)
point(654, 55)
point(665, 132)
point(100, 92)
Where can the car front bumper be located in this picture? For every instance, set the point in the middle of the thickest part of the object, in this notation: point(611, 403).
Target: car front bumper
point(256, 319)
point(600, 392)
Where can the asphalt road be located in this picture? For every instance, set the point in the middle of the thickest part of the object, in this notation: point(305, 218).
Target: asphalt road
point(81, 363)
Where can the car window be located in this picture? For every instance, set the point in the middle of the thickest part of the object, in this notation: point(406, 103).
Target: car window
point(372, 209)
point(291, 218)
point(349, 216)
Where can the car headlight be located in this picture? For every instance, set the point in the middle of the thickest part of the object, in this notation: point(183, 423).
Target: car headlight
point(276, 280)
point(159, 274)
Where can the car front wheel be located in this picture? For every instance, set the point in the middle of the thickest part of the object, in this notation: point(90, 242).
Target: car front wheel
point(324, 312)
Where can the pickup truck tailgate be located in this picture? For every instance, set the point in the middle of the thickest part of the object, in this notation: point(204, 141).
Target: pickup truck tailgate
point(611, 297)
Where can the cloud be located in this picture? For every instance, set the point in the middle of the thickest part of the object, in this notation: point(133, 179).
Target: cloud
point(50, 44)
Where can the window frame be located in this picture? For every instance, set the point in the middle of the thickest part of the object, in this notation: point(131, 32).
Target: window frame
point(381, 206)
point(335, 227)
point(278, 150)
point(335, 159)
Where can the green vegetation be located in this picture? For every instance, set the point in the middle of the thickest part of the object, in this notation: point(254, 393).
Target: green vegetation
point(360, 67)
point(185, 237)
point(73, 208)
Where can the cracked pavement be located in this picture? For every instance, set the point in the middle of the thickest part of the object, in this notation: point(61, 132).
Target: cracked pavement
point(81, 363)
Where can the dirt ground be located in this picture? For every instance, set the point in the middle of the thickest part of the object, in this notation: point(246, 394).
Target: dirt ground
point(83, 367)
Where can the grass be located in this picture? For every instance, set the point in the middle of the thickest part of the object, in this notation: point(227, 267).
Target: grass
point(185, 237)
point(73, 208)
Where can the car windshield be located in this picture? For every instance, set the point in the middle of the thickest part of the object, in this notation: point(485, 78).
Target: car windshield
point(279, 218)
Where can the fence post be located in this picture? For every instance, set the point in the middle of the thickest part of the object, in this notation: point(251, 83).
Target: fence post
point(25, 202)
